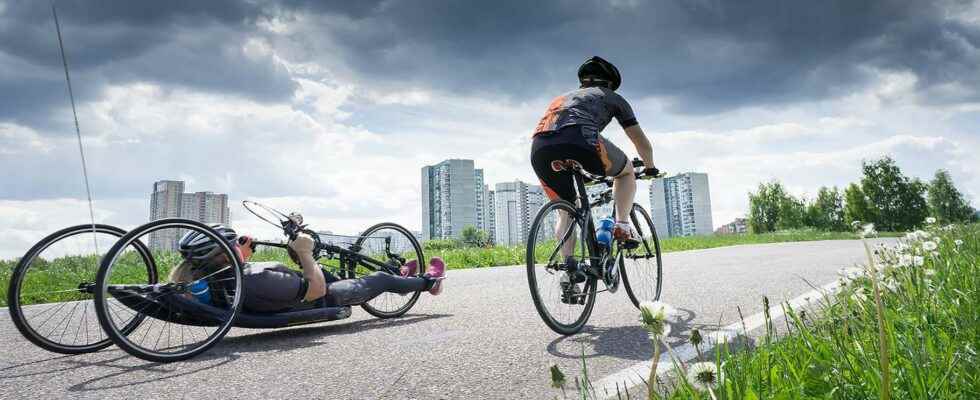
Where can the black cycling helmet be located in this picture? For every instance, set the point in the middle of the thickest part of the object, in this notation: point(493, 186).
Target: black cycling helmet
point(196, 246)
point(599, 70)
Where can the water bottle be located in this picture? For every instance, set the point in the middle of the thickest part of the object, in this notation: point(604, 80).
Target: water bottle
point(201, 291)
point(604, 232)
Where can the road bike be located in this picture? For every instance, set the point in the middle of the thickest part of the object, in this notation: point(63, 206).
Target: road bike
point(564, 304)
point(156, 319)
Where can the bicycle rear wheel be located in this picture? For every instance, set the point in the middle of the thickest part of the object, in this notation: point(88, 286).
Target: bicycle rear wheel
point(642, 267)
point(177, 325)
point(394, 246)
point(50, 294)
point(563, 305)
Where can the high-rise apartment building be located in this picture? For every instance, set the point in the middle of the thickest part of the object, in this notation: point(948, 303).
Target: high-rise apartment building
point(452, 198)
point(681, 205)
point(491, 215)
point(515, 206)
point(168, 200)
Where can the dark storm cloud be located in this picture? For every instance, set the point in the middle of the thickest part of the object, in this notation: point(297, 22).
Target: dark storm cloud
point(703, 55)
point(700, 55)
point(195, 44)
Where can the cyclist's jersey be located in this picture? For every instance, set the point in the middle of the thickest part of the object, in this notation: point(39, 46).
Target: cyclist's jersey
point(590, 107)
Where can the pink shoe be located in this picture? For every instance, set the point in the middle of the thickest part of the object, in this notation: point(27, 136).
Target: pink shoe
point(437, 272)
point(410, 268)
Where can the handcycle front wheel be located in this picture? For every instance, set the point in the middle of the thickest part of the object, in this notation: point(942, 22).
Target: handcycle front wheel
point(642, 267)
point(49, 295)
point(561, 307)
point(392, 245)
point(176, 325)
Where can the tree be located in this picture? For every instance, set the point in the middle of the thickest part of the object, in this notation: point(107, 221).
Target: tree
point(946, 203)
point(896, 202)
point(856, 206)
point(792, 212)
point(473, 237)
point(773, 208)
point(826, 212)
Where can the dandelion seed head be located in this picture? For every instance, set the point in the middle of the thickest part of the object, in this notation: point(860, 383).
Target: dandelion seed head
point(930, 220)
point(929, 272)
point(704, 375)
point(958, 242)
point(929, 245)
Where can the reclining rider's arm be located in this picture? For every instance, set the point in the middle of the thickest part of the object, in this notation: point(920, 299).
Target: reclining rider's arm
point(303, 246)
point(642, 143)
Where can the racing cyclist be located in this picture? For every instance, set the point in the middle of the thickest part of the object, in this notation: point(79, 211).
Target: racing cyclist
point(570, 130)
point(273, 287)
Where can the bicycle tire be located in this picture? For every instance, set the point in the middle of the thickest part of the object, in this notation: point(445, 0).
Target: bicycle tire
point(641, 220)
point(15, 303)
point(121, 338)
point(532, 278)
point(410, 299)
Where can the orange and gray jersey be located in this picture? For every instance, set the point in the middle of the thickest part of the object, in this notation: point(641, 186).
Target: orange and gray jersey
point(590, 107)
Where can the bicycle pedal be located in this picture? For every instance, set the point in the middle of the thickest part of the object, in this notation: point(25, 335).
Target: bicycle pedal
point(630, 244)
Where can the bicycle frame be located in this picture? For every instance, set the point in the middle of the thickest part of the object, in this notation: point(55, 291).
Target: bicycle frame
point(349, 257)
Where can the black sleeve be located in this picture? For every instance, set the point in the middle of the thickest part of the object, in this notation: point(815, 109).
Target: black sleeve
point(623, 111)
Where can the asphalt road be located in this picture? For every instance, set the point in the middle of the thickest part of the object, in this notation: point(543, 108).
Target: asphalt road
point(480, 339)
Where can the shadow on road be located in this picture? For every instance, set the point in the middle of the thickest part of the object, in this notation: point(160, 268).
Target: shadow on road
point(630, 342)
point(130, 371)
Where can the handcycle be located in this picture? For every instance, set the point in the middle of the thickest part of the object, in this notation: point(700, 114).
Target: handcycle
point(158, 320)
point(562, 306)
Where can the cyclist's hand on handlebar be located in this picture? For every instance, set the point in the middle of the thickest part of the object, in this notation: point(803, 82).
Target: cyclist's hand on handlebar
point(651, 171)
point(303, 244)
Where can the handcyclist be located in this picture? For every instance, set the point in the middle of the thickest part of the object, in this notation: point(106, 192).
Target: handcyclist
point(272, 287)
point(570, 130)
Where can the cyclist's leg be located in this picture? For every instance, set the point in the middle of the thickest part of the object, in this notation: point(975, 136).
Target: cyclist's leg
point(556, 184)
point(361, 290)
point(615, 163)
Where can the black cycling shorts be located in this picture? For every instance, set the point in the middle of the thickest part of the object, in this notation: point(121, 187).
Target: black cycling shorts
point(596, 154)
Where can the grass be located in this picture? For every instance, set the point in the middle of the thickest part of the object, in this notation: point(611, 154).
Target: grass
point(479, 257)
point(902, 327)
point(63, 274)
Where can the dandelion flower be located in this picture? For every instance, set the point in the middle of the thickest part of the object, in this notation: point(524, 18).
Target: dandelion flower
point(930, 220)
point(929, 245)
point(704, 376)
point(958, 242)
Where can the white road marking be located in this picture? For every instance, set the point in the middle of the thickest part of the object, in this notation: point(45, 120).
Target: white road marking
point(636, 375)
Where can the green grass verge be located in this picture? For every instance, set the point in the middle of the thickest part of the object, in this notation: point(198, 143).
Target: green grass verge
point(478, 257)
point(919, 342)
point(62, 274)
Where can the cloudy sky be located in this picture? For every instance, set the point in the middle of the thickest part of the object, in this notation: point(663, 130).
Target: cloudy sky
point(332, 107)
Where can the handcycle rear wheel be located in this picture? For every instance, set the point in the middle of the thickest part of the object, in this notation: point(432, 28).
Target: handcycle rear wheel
point(401, 243)
point(115, 284)
point(642, 267)
point(545, 272)
point(48, 291)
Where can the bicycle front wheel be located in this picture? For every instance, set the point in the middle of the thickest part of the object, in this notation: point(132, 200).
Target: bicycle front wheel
point(642, 267)
point(177, 325)
point(563, 304)
point(394, 246)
